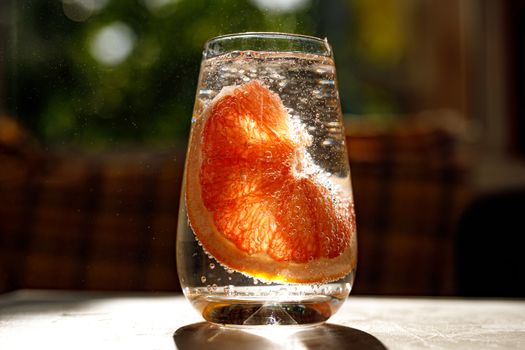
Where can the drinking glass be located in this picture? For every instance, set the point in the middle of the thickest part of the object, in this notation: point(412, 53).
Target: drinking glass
point(266, 232)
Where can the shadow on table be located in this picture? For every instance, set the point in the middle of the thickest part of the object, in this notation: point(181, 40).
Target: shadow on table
point(205, 335)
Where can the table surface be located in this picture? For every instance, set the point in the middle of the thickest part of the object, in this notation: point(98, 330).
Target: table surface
point(79, 320)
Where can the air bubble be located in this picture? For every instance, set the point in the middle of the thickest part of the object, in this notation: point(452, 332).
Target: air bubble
point(229, 290)
point(326, 82)
point(324, 69)
point(212, 266)
point(203, 279)
point(328, 142)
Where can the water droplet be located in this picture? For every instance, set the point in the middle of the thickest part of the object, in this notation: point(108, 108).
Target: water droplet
point(203, 279)
point(212, 266)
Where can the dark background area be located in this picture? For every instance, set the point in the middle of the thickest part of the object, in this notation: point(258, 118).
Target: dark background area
point(96, 98)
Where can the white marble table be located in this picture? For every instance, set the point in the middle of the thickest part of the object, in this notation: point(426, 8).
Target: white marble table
point(77, 320)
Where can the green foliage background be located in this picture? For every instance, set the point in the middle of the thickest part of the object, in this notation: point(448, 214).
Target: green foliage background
point(65, 97)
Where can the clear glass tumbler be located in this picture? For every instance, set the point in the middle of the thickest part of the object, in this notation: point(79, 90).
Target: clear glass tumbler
point(266, 231)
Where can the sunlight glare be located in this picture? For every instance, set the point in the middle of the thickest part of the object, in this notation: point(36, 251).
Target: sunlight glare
point(283, 336)
point(81, 10)
point(113, 44)
point(280, 5)
point(155, 5)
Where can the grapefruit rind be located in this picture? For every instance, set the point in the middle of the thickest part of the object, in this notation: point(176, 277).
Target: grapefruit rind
point(259, 265)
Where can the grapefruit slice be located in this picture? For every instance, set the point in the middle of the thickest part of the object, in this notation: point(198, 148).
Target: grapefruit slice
point(255, 199)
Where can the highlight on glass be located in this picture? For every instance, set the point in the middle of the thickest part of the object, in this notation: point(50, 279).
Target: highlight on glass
point(266, 231)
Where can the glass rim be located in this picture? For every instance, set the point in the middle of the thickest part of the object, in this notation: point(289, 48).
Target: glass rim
point(304, 42)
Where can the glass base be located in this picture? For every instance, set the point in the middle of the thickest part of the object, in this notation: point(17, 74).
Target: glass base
point(237, 312)
point(265, 314)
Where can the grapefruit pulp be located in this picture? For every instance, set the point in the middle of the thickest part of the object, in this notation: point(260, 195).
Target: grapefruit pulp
point(255, 199)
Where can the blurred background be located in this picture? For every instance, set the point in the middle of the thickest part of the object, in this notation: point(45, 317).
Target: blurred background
point(96, 99)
